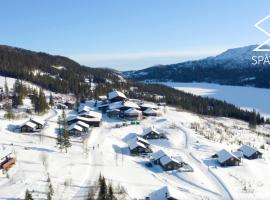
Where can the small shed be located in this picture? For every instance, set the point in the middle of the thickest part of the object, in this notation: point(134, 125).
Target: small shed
point(28, 127)
point(250, 152)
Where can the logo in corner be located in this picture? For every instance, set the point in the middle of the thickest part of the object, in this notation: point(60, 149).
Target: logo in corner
point(258, 26)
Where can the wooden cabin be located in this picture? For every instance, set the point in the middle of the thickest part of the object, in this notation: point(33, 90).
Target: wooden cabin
point(83, 125)
point(226, 158)
point(132, 114)
point(28, 127)
point(152, 133)
point(155, 157)
point(138, 148)
point(94, 122)
point(166, 193)
point(113, 113)
point(40, 123)
point(168, 163)
point(150, 112)
point(115, 96)
point(61, 106)
point(75, 130)
point(250, 152)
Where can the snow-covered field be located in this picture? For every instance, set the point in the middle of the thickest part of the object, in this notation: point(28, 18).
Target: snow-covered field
point(244, 97)
point(72, 173)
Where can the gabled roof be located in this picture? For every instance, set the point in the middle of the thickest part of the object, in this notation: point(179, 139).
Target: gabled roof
point(132, 111)
point(158, 154)
point(130, 104)
point(82, 124)
point(148, 105)
point(37, 121)
point(83, 119)
point(134, 144)
point(166, 159)
point(139, 139)
point(150, 129)
point(84, 108)
point(116, 105)
point(76, 127)
point(224, 155)
point(150, 111)
point(248, 150)
point(114, 94)
point(92, 114)
point(30, 124)
point(166, 192)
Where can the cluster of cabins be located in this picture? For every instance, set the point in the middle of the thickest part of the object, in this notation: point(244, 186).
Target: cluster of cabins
point(85, 118)
point(139, 145)
point(228, 158)
point(116, 104)
point(33, 125)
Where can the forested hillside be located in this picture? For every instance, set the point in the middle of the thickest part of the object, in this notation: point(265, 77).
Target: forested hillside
point(61, 74)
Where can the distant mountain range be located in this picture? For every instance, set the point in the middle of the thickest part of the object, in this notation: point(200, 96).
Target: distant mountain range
point(232, 67)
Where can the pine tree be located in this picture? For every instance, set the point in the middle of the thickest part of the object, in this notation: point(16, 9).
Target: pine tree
point(59, 140)
point(66, 140)
point(253, 119)
point(51, 100)
point(6, 87)
point(9, 114)
point(28, 195)
point(103, 190)
point(110, 193)
point(50, 189)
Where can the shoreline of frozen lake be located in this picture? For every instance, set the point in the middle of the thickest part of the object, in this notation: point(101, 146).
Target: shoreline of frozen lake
point(244, 97)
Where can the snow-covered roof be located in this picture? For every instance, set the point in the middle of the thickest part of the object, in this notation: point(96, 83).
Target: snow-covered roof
point(116, 105)
point(139, 139)
point(150, 111)
point(88, 119)
point(30, 124)
point(114, 94)
point(148, 105)
point(132, 111)
point(82, 124)
point(92, 114)
point(38, 121)
point(134, 144)
point(224, 155)
point(238, 154)
point(166, 192)
point(150, 129)
point(166, 159)
point(131, 104)
point(83, 108)
point(158, 154)
point(248, 150)
point(75, 126)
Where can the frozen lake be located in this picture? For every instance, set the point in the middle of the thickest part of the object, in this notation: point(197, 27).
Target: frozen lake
point(244, 97)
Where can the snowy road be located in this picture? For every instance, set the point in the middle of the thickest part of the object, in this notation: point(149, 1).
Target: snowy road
point(212, 177)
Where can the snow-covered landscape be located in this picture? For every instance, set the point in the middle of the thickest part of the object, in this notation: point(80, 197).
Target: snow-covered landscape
point(189, 138)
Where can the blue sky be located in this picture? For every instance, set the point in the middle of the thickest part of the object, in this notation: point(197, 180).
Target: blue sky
point(129, 34)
